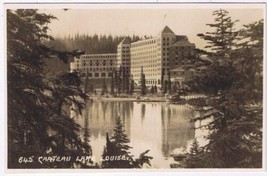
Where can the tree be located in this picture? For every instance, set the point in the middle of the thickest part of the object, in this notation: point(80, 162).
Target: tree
point(131, 85)
point(118, 80)
point(112, 85)
point(192, 159)
point(165, 90)
point(169, 83)
point(91, 88)
point(127, 82)
point(152, 91)
point(174, 88)
point(104, 87)
point(116, 152)
point(123, 83)
point(143, 82)
point(222, 39)
point(233, 87)
point(155, 89)
point(38, 124)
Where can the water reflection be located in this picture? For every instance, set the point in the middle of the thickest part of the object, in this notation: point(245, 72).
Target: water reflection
point(162, 128)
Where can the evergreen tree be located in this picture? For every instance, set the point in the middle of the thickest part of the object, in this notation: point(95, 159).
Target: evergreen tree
point(169, 83)
point(127, 82)
point(120, 139)
point(91, 88)
point(37, 122)
point(123, 83)
point(119, 81)
point(155, 89)
point(131, 85)
point(104, 87)
point(193, 160)
point(165, 90)
point(143, 82)
point(174, 89)
point(117, 146)
point(221, 40)
point(152, 90)
point(234, 93)
point(112, 85)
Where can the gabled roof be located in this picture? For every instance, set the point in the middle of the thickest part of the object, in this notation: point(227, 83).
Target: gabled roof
point(167, 30)
point(183, 43)
point(126, 40)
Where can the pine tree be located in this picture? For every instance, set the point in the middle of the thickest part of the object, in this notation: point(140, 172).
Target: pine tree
point(234, 95)
point(131, 85)
point(117, 146)
point(112, 85)
point(174, 89)
point(143, 82)
point(193, 159)
point(104, 87)
point(152, 90)
point(37, 122)
point(127, 82)
point(165, 90)
point(155, 89)
point(119, 81)
point(169, 83)
point(123, 83)
point(221, 40)
point(120, 138)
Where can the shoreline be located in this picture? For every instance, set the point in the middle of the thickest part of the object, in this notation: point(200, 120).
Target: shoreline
point(130, 99)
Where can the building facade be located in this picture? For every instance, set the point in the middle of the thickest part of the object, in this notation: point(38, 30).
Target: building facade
point(95, 65)
point(123, 55)
point(157, 56)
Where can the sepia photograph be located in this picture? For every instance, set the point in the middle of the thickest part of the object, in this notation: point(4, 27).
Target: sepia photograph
point(135, 86)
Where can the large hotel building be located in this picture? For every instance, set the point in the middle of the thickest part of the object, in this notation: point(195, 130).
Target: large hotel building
point(157, 56)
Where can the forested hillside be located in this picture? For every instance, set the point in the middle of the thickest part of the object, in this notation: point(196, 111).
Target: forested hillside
point(89, 44)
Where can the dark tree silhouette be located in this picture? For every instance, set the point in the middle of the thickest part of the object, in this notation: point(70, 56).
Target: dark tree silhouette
point(232, 82)
point(116, 152)
point(143, 82)
point(38, 124)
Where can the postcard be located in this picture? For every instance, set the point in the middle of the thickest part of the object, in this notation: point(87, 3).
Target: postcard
point(135, 86)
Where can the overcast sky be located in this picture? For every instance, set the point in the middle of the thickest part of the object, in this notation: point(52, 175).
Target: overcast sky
point(146, 19)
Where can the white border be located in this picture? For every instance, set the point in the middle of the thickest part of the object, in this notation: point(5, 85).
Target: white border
point(121, 4)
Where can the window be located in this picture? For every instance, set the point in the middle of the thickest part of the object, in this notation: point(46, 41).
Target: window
point(103, 75)
point(96, 74)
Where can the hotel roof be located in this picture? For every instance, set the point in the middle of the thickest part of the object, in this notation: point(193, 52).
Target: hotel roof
point(167, 30)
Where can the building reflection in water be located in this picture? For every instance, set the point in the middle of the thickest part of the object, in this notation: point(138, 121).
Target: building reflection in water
point(159, 127)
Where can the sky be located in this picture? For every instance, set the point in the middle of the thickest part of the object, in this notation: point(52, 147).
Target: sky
point(146, 20)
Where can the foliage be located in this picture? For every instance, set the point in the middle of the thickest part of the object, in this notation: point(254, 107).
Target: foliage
point(90, 44)
point(193, 159)
point(116, 153)
point(232, 82)
point(143, 82)
point(131, 88)
point(38, 124)
point(112, 85)
point(104, 88)
point(169, 83)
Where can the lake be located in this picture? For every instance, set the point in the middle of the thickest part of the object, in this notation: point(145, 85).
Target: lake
point(162, 128)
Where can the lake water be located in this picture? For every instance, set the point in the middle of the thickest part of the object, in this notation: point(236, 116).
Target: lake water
point(162, 128)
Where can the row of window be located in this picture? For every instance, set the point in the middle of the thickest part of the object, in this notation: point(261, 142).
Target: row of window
point(100, 56)
point(98, 69)
point(96, 64)
point(97, 75)
point(144, 42)
point(77, 61)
